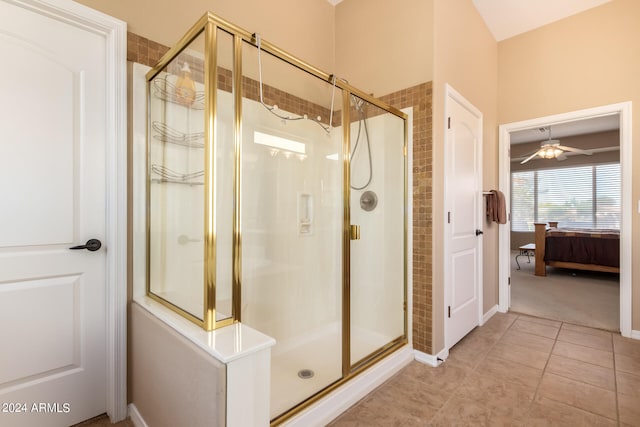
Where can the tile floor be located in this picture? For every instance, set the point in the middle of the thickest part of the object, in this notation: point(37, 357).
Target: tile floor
point(514, 370)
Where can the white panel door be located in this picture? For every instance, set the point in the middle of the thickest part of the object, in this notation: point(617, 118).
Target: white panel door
point(52, 189)
point(463, 195)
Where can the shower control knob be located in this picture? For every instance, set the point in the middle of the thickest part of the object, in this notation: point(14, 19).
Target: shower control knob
point(368, 201)
point(92, 245)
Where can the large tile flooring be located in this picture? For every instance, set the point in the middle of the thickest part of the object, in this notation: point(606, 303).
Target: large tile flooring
point(515, 370)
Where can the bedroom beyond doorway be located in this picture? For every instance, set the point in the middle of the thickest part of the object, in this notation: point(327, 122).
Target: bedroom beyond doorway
point(622, 112)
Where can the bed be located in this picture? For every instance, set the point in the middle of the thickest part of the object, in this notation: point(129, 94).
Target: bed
point(580, 249)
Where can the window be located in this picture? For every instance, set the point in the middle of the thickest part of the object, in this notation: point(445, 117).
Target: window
point(578, 197)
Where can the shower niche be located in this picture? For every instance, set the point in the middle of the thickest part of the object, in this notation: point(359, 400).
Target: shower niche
point(257, 167)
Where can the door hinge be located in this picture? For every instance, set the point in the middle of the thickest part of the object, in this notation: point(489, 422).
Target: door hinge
point(449, 311)
point(449, 123)
point(509, 281)
point(449, 217)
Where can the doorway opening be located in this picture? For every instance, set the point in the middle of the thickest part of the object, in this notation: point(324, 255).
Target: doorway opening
point(571, 295)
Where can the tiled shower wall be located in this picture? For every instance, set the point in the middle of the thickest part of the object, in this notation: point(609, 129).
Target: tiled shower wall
point(147, 52)
point(420, 98)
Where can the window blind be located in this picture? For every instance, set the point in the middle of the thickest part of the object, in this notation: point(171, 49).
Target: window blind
point(577, 197)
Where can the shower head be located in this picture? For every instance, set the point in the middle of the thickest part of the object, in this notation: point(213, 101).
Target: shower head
point(357, 102)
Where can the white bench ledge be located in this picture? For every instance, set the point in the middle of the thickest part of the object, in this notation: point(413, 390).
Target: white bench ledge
point(226, 344)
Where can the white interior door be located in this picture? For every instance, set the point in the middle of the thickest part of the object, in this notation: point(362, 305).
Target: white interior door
point(463, 197)
point(52, 184)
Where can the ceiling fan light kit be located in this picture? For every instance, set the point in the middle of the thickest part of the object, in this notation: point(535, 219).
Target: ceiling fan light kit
point(549, 152)
point(551, 149)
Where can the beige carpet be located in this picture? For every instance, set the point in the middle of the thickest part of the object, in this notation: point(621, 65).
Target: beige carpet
point(579, 297)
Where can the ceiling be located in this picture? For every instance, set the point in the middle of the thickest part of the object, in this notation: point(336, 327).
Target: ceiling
point(562, 130)
point(508, 18)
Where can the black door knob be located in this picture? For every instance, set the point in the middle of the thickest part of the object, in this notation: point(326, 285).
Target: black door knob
point(91, 245)
point(479, 232)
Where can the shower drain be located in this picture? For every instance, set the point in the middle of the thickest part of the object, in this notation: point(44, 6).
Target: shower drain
point(305, 374)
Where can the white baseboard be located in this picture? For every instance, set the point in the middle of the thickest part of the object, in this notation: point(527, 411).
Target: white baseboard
point(430, 359)
point(135, 416)
point(635, 335)
point(489, 314)
point(330, 407)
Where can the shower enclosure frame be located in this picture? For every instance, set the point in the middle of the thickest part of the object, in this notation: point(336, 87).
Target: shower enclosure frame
point(208, 25)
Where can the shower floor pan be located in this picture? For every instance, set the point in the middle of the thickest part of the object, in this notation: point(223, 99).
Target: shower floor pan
point(320, 353)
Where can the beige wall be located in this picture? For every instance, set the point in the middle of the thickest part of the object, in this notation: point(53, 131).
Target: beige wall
point(174, 383)
point(302, 28)
point(587, 60)
point(384, 46)
point(465, 57)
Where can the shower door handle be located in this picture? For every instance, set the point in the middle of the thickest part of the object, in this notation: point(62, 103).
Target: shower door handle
point(354, 232)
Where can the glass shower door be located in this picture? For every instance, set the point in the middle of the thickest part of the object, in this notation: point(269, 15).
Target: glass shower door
point(292, 216)
point(377, 258)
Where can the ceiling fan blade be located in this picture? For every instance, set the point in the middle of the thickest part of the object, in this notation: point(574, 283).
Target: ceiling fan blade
point(575, 150)
point(562, 157)
point(529, 158)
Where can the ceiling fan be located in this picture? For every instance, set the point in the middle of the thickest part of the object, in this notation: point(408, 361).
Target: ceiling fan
point(551, 149)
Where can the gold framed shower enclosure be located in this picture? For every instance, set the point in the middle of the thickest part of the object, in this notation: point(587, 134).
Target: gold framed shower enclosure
point(194, 184)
